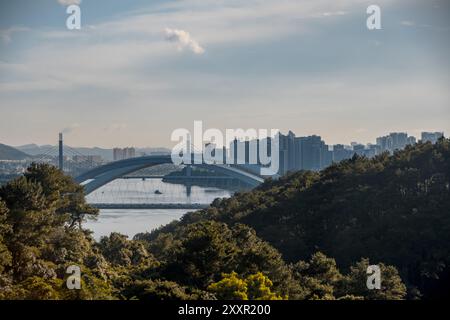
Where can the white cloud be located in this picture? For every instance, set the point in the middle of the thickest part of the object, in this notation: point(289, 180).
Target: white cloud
point(68, 2)
point(329, 14)
point(108, 55)
point(70, 128)
point(65, 61)
point(183, 40)
point(407, 23)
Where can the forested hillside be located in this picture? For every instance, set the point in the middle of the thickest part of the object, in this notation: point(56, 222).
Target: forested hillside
point(394, 209)
point(306, 236)
point(10, 153)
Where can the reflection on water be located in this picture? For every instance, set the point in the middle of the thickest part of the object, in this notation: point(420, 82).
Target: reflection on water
point(131, 222)
point(153, 191)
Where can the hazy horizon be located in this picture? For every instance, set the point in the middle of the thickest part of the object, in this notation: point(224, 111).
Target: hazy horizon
point(169, 146)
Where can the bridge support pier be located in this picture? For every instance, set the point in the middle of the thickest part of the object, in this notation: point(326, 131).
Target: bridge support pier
point(188, 180)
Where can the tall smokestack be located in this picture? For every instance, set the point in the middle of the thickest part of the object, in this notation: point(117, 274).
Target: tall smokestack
point(61, 160)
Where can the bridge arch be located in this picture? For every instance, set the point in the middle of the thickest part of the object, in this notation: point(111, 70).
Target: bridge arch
point(99, 176)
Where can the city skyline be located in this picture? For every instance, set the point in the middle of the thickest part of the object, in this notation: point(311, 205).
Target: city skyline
point(136, 71)
point(124, 151)
point(294, 153)
point(171, 144)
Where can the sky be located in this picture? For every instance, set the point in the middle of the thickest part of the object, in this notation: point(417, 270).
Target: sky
point(138, 70)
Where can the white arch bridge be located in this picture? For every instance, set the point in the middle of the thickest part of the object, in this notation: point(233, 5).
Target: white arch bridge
point(102, 175)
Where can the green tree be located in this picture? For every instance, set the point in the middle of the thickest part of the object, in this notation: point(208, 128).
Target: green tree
point(253, 287)
point(120, 251)
point(37, 241)
point(198, 254)
point(5, 230)
point(92, 287)
point(231, 287)
point(319, 277)
point(31, 224)
point(207, 249)
point(259, 288)
point(155, 290)
point(61, 192)
point(33, 288)
point(392, 287)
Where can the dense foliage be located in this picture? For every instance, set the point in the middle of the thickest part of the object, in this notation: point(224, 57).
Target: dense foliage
point(394, 209)
point(275, 242)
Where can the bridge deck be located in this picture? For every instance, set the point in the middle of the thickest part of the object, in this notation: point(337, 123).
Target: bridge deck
point(190, 206)
point(104, 174)
point(179, 177)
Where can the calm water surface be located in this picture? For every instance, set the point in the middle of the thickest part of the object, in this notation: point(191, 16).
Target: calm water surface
point(131, 222)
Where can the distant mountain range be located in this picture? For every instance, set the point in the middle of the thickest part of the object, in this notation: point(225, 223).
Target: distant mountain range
point(106, 154)
point(10, 153)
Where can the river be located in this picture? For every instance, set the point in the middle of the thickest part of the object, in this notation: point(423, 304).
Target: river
point(131, 222)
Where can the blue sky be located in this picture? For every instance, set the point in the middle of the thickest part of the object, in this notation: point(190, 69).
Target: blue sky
point(137, 70)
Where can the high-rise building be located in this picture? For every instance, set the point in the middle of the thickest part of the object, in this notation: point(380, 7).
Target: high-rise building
point(129, 153)
point(399, 140)
point(371, 151)
point(395, 141)
point(125, 153)
point(295, 153)
point(385, 143)
point(239, 151)
point(314, 153)
point(283, 157)
point(432, 137)
point(291, 151)
point(341, 153)
point(327, 156)
point(117, 154)
point(359, 149)
point(89, 158)
point(411, 141)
